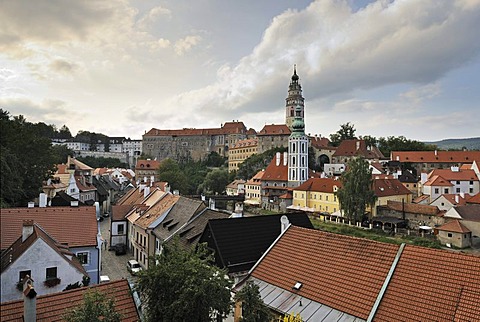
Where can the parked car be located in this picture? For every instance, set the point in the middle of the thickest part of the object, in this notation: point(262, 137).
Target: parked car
point(120, 249)
point(133, 266)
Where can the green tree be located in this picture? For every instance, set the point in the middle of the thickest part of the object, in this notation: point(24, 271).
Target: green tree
point(61, 153)
point(253, 307)
point(215, 160)
point(170, 171)
point(346, 132)
point(26, 159)
point(400, 143)
point(357, 190)
point(216, 181)
point(96, 306)
point(181, 285)
point(64, 133)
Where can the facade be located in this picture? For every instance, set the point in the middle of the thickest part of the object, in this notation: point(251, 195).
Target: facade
point(235, 188)
point(39, 256)
point(147, 169)
point(426, 161)
point(192, 144)
point(455, 234)
point(133, 149)
point(273, 136)
point(317, 195)
point(436, 186)
point(253, 189)
point(462, 180)
point(447, 201)
point(297, 151)
point(389, 190)
point(275, 182)
point(469, 216)
point(76, 227)
point(241, 151)
point(417, 215)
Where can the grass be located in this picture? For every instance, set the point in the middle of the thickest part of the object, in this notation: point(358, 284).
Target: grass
point(373, 234)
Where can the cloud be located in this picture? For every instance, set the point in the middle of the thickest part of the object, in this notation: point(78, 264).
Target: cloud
point(186, 44)
point(339, 50)
point(62, 66)
point(153, 15)
point(49, 111)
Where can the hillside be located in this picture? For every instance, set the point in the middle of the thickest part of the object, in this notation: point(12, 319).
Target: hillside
point(457, 144)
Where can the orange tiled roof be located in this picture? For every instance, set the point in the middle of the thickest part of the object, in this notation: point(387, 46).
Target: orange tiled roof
point(79, 165)
point(52, 307)
point(343, 272)
point(247, 143)
point(438, 181)
point(452, 198)
point(62, 223)
point(276, 172)
point(120, 211)
point(420, 198)
point(155, 211)
point(255, 180)
point(62, 169)
point(274, 129)
point(436, 156)
point(413, 208)
point(454, 226)
point(320, 142)
point(227, 128)
point(349, 148)
point(347, 274)
point(319, 185)
point(474, 199)
point(389, 187)
point(147, 164)
point(460, 175)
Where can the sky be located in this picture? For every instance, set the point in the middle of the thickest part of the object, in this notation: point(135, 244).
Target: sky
point(392, 68)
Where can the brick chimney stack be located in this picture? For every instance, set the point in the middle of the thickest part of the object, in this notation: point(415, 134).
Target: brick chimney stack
point(27, 229)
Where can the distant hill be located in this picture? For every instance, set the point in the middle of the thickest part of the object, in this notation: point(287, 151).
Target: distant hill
point(458, 144)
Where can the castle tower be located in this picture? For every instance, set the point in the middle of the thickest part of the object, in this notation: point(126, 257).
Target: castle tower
point(297, 150)
point(294, 99)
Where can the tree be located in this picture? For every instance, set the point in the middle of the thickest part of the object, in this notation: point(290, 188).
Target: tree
point(181, 285)
point(253, 307)
point(216, 181)
point(26, 159)
point(357, 189)
point(169, 171)
point(96, 306)
point(215, 160)
point(346, 132)
point(400, 143)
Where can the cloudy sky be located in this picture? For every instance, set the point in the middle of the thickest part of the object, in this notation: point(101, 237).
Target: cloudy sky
point(120, 67)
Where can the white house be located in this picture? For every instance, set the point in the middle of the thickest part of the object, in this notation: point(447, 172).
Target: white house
point(36, 254)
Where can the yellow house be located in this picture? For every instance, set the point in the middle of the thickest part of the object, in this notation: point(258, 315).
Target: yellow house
point(389, 189)
point(241, 151)
point(317, 195)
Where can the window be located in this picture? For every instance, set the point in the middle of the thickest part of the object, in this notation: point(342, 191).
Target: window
point(436, 190)
point(22, 275)
point(449, 234)
point(458, 190)
point(470, 190)
point(326, 198)
point(471, 182)
point(51, 273)
point(458, 182)
point(121, 229)
point(445, 190)
point(82, 257)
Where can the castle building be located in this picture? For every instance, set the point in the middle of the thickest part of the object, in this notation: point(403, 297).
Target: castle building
point(297, 151)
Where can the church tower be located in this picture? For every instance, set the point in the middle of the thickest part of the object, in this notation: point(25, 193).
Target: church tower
point(294, 99)
point(297, 150)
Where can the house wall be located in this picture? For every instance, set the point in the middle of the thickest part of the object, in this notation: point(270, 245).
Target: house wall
point(414, 220)
point(436, 191)
point(117, 237)
point(381, 201)
point(93, 266)
point(457, 239)
point(253, 192)
point(37, 258)
point(140, 245)
point(442, 203)
point(473, 226)
point(267, 142)
point(319, 201)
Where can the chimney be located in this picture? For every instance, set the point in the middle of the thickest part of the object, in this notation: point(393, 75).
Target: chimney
point(42, 200)
point(285, 158)
point(146, 192)
point(152, 179)
point(457, 199)
point(462, 194)
point(74, 203)
point(27, 229)
point(436, 153)
point(277, 161)
point(357, 145)
point(31, 204)
point(455, 169)
point(284, 222)
point(29, 300)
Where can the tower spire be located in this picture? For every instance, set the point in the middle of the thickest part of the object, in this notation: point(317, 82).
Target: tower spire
point(293, 99)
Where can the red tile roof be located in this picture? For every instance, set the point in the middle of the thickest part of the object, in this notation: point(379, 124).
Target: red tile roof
point(247, 143)
point(454, 226)
point(227, 128)
point(274, 129)
point(62, 169)
point(155, 211)
point(147, 164)
point(347, 274)
point(52, 307)
point(120, 211)
point(474, 199)
point(358, 148)
point(413, 208)
point(79, 165)
point(452, 198)
point(320, 142)
point(319, 185)
point(436, 156)
point(62, 223)
point(438, 182)
point(343, 272)
point(276, 172)
point(389, 187)
point(460, 175)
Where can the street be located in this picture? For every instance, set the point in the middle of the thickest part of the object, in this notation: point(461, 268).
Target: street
point(115, 267)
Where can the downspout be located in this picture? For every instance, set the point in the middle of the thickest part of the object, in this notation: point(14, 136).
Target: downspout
point(385, 284)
